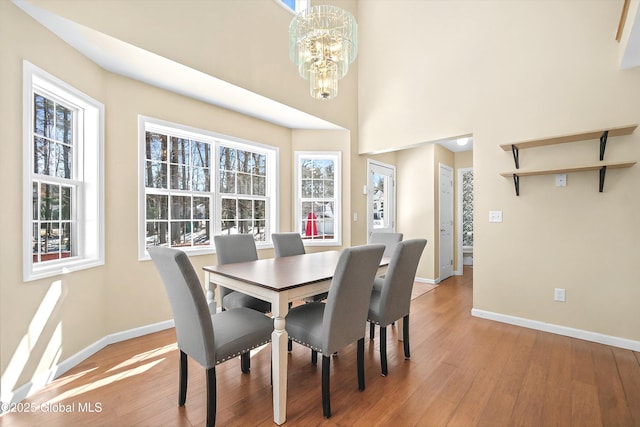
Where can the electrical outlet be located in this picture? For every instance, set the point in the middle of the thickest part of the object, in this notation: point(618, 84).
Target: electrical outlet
point(559, 294)
point(495, 216)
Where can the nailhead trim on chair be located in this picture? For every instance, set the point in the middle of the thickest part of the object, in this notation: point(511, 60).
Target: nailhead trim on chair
point(241, 353)
point(307, 345)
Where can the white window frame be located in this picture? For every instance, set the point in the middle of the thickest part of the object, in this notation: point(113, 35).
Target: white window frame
point(300, 5)
point(216, 140)
point(88, 212)
point(336, 156)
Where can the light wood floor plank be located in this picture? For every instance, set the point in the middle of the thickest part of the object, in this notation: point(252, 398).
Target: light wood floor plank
point(463, 371)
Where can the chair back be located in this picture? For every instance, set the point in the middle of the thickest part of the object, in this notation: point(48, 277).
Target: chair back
point(395, 298)
point(287, 244)
point(389, 240)
point(194, 330)
point(347, 305)
point(233, 248)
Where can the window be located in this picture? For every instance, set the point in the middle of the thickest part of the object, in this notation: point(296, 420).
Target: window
point(197, 184)
point(243, 192)
point(63, 179)
point(318, 185)
point(295, 5)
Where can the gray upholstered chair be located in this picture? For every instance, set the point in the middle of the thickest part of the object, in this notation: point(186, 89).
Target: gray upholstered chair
point(391, 295)
point(326, 328)
point(290, 244)
point(389, 240)
point(238, 248)
point(287, 244)
point(208, 339)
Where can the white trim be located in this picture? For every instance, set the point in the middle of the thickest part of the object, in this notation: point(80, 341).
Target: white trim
point(442, 166)
point(45, 378)
point(272, 153)
point(300, 6)
point(337, 194)
point(89, 167)
point(558, 329)
point(369, 201)
point(427, 281)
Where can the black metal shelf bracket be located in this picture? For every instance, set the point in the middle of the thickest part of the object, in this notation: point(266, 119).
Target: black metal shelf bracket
point(516, 155)
point(516, 183)
point(603, 144)
point(603, 172)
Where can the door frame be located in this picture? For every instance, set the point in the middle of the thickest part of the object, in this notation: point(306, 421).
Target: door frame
point(442, 166)
point(369, 193)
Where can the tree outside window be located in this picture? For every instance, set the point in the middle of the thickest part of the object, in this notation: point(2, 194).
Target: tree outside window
point(197, 184)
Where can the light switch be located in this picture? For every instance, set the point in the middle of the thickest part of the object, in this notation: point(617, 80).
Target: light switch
point(495, 216)
point(561, 180)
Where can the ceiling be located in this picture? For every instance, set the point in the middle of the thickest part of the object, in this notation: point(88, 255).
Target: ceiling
point(453, 145)
point(125, 59)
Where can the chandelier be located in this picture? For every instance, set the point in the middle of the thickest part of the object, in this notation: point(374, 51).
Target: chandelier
point(323, 41)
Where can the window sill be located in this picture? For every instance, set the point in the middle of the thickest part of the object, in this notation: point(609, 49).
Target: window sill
point(43, 272)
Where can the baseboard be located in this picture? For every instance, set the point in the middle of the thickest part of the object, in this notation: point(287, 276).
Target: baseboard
point(44, 378)
point(559, 330)
point(428, 281)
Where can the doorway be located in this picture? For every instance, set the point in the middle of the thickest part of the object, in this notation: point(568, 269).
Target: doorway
point(465, 219)
point(446, 222)
point(381, 197)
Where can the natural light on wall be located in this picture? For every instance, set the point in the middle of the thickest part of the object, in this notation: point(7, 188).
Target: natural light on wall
point(36, 332)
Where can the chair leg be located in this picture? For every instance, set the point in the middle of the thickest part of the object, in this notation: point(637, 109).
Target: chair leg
point(360, 363)
point(290, 343)
point(211, 397)
point(326, 400)
point(383, 350)
point(314, 357)
point(372, 328)
point(245, 362)
point(182, 395)
point(405, 336)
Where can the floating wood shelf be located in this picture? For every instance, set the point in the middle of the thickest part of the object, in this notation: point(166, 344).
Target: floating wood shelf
point(602, 167)
point(602, 134)
point(574, 137)
point(610, 165)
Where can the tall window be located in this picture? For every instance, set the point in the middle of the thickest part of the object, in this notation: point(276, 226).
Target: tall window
point(63, 177)
point(178, 190)
point(197, 184)
point(318, 208)
point(243, 192)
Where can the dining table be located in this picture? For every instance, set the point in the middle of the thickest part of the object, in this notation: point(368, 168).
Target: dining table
point(278, 281)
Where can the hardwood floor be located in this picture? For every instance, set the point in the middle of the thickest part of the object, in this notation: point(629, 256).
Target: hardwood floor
point(464, 371)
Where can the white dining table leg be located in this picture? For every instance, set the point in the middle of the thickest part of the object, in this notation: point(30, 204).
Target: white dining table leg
point(212, 292)
point(279, 339)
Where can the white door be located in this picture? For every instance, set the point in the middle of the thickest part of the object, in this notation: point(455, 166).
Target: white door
point(381, 197)
point(446, 222)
